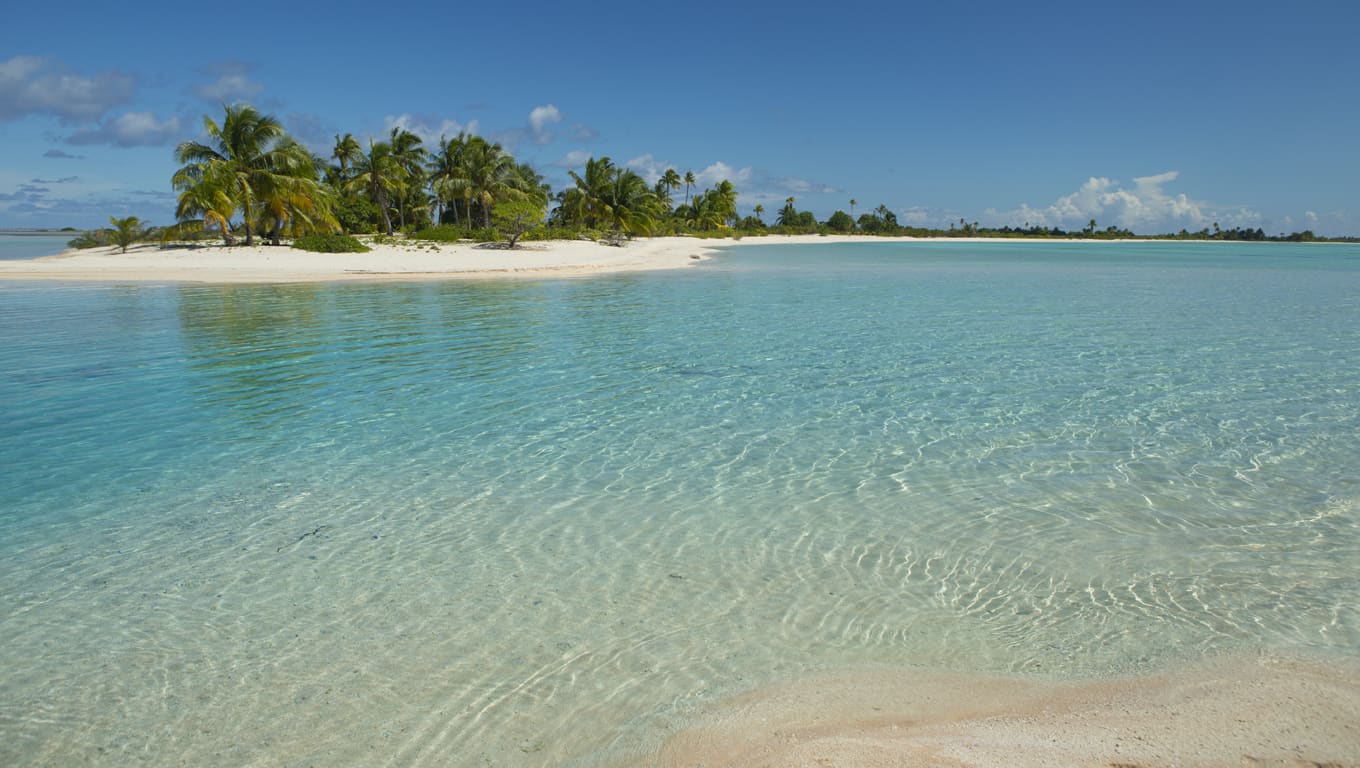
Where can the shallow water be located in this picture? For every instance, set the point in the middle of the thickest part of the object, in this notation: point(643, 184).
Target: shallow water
point(542, 522)
point(32, 245)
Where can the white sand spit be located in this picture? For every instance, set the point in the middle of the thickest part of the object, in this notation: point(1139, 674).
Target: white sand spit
point(402, 260)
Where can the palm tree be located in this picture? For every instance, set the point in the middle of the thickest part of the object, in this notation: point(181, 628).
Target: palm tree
point(447, 173)
point(126, 231)
point(203, 195)
point(410, 158)
point(490, 174)
point(759, 211)
point(788, 215)
point(633, 208)
point(725, 201)
point(703, 212)
point(532, 183)
point(852, 211)
point(668, 183)
point(292, 197)
point(378, 175)
point(241, 157)
point(609, 196)
point(671, 179)
point(584, 202)
point(689, 182)
point(347, 151)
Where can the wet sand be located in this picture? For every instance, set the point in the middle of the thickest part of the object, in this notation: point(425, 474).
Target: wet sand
point(1245, 712)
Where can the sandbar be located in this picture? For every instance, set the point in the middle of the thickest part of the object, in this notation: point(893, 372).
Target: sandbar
point(1257, 711)
point(396, 260)
point(400, 259)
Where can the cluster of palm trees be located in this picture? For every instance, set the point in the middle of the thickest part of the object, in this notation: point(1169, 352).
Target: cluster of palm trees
point(460, 182)
point(606, 196)
point(251, 165)
point(252, 168)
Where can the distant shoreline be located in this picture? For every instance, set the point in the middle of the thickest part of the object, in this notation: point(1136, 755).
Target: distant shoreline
point(418, 260)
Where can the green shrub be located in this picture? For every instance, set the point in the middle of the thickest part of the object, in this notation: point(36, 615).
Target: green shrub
point(330, 243)
point(357, 214)
point(452, 233)
point(97, 238)
point(444, 233)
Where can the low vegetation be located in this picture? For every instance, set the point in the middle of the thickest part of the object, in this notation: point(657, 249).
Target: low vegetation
point(330, 242)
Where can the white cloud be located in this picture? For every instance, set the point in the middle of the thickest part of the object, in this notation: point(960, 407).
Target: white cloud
point(720, 171)
point(428, 127)
point(232, 84)
point(574, 159)
point(540, 118)
point(131, 129)
point(648, 167)
point(1146, 208)
point(32, 85)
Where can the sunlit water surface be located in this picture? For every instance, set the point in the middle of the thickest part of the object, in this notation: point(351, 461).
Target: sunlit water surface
point(531, 522)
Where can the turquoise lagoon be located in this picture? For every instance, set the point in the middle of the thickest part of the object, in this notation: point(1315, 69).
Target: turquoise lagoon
point(31, 245)
point(544, 522)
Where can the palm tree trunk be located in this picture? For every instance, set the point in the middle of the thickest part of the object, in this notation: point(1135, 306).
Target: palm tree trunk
point(245, 219)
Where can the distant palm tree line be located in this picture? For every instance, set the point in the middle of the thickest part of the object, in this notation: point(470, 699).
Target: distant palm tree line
point(250, 170)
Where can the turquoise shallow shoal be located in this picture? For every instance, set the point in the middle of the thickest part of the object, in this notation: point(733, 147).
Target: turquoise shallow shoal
point(543, 522)
point(14, 247)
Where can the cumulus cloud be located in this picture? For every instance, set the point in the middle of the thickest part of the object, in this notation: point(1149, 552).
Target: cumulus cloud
point(648, 167)
point(540, 119)
point(232, 83)
point(1144, 207)
point(573, 159)
point(131, 129)
point(64, 180)
point(30, 85)
point(720, 171)
point(57, 154)
point(430, 128)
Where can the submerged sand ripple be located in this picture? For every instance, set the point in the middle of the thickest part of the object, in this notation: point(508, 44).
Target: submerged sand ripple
point(1259, 712)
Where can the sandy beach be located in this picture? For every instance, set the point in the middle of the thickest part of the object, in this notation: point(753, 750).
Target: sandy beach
point(1267, 711)
point(400, 260)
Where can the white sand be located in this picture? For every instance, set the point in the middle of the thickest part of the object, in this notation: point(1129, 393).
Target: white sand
point(1245, 712)
point(400, 260)
point(404, 260)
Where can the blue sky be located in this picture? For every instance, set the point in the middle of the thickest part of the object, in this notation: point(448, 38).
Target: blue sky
point(1151, 115)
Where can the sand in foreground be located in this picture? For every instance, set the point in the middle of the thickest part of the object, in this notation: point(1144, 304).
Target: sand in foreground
point(1254, 712)
point(400, 260)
